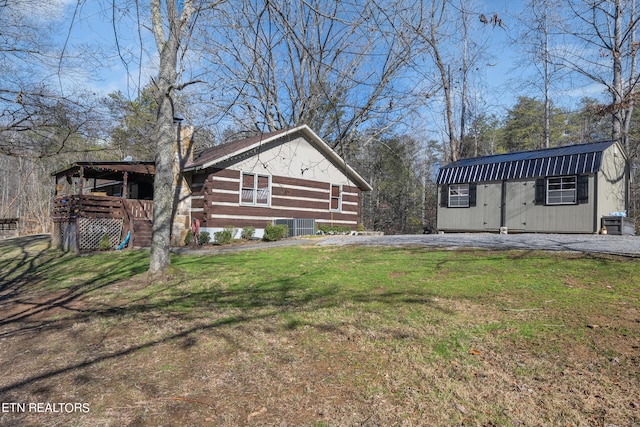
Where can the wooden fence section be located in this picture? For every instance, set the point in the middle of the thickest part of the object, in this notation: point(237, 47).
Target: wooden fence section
point(70, 208)
point(8, 227)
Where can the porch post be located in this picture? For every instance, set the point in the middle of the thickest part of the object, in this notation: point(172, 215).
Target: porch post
point(125, 179)
point(81, 182)
point(78, 233)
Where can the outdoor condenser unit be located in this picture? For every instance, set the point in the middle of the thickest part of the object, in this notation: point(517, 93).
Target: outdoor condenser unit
point(299, 226)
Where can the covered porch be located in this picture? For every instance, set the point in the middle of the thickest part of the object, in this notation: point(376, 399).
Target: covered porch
point(94, 199)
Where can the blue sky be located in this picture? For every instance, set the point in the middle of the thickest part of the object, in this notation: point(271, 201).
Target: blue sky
point(505, 78)
point(497, 78)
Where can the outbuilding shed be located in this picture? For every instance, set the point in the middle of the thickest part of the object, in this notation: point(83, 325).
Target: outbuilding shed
point(558, 190)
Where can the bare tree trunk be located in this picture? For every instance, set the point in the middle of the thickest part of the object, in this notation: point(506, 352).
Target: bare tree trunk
point(600, 26)
point(626, 124)
point(465, 77)
point(547, 98)
point(436, 20)
point(164, 129)
point(618, 86)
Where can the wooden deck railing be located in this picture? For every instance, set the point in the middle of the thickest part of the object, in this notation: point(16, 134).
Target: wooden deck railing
point(68, 208)
point(139, 209)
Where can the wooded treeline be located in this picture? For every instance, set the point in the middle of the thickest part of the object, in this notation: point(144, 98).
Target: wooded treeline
point(398, 87)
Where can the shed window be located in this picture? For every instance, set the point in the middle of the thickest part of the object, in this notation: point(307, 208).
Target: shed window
point(459, 195)
point(336, 198)
point(562, 190)
point(256, 189)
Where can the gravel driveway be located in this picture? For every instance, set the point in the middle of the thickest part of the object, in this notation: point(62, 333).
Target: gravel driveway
point(590, 243)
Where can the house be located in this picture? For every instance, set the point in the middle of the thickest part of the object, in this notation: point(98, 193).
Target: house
point(287, 174)
point(573, 189)
point(290, 175)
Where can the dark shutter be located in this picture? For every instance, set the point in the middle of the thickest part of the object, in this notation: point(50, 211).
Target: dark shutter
point(444, 196)
point(539, 191)
point(583, 188)
point(472, 195)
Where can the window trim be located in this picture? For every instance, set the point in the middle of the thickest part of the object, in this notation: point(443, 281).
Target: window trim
point(332, 198)
point(254, 189)
point(445, 195)
point(459, 197)
point(561, 191)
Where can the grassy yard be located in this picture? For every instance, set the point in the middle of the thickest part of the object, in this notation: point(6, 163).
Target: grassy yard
point(320, 336)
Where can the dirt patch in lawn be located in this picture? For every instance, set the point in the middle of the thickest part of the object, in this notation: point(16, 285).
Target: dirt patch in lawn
point(85, 359)
point(149, 369)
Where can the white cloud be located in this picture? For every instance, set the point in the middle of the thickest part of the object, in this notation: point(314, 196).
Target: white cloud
point(38, 10)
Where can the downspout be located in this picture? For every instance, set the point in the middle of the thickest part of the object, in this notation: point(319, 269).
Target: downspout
point(596, 226)
point(503, 205)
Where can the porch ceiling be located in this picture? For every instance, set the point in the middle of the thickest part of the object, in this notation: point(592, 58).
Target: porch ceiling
point(108, 170)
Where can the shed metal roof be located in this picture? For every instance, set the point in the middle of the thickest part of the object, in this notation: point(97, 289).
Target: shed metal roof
point(559, 161)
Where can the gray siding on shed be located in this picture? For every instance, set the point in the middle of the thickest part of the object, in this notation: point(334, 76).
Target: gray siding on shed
point(503, 199)
point(520, 212)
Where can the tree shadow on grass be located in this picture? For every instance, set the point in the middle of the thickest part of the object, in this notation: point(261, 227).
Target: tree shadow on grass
point(61, 306)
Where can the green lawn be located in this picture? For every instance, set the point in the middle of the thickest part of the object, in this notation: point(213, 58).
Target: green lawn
point(322, 336)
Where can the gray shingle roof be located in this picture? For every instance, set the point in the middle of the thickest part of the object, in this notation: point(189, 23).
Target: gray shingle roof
point(569, 160)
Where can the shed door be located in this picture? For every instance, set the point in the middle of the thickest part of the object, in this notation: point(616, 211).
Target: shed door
point(489, 200)
point(516, 205)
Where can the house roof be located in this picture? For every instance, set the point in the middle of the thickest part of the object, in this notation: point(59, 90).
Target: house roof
point(558, 161)
point(215, 156)
point(106, 169)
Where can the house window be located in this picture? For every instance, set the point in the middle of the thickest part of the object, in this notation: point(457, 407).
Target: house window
point(336, 198)
point(256, 189)
point(458, 195)
point(561, 190)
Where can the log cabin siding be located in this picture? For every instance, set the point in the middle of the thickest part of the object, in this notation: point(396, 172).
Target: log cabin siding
point(269, 213)
point(286, 191)
point(197, 203)
point(307, 183)
point(298, 203)
point(218, 184)
point(290, 198)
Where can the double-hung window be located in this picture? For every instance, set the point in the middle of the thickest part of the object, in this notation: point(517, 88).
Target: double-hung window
point(458, 196)
point(256, 189)
point(562, 190)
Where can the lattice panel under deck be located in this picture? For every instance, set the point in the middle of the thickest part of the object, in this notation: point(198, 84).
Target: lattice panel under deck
point(92, 229)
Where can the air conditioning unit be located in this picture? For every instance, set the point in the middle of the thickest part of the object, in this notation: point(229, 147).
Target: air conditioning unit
point(299, 226)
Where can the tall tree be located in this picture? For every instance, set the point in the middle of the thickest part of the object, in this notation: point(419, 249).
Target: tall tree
point(432, 28)
point(171, 23)
point(392, 166)
point(334, 65)
point(601, 46)
point(134, 122)
point(537, 26)
point(453, 54)
point(524, 125)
